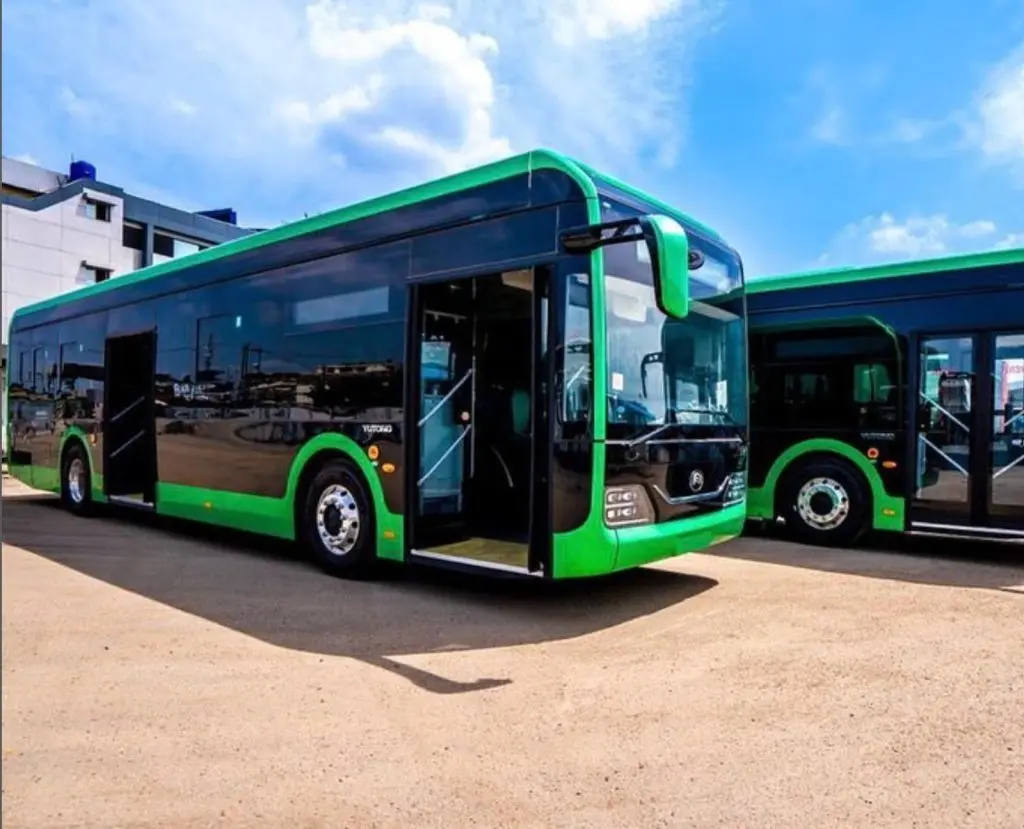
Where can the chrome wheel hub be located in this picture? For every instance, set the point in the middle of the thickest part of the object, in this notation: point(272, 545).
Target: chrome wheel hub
point(76, 480)
point(823, 503)
point(337, 520)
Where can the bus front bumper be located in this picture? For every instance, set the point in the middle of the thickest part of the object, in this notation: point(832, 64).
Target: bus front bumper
point(637, 546)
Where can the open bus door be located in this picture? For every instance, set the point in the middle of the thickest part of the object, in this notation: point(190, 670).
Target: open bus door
point(969, 456)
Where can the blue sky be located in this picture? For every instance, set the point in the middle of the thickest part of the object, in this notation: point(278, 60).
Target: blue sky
point(809, 132)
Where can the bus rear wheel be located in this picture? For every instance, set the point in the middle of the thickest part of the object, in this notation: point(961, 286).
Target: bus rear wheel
point(826, 503)
point(336, 522)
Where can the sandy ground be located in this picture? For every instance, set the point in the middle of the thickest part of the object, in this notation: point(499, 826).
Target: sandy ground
point(164, 679)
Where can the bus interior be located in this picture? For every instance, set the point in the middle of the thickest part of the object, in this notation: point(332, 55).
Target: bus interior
point(475, 417)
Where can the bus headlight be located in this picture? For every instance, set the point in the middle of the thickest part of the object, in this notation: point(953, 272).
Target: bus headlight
point(737, 489)
point(625, 506)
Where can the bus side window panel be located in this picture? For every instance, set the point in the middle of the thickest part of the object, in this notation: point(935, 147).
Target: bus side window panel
point(19, 364)
point(41, 427)
point(875, 394)
point(573, 457)
point(342, 324)
point(574, 369)
point(82, 344)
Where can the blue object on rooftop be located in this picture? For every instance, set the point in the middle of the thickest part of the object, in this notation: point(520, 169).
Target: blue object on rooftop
point(82, 169)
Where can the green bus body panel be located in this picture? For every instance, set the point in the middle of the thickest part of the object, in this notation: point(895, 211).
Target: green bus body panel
point(835, 276)
point(516, 165)
point(576, 552)
point(761, 500)
point(643, 545)
point(276, 516)
point(44, 478)
point(251, 513)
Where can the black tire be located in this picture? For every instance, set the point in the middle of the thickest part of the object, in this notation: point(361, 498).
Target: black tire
point(351, 499)
point(833, 491)
point(77, 499)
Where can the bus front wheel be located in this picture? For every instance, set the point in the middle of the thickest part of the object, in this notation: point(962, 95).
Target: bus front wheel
point(75, 480)
point(826, 502)
point(337, 521)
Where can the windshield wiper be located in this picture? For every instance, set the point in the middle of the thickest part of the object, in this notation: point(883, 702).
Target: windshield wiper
point(665, 426)
point(649, 435)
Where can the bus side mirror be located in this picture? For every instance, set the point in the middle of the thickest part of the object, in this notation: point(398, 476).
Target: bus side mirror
point(667, 247)
point(670, 260)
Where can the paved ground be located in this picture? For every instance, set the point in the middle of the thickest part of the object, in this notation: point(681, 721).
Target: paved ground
point(167, 680)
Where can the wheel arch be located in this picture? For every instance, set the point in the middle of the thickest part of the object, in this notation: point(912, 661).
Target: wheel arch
point(76, 436)
point(825, 449)
point(311, 458)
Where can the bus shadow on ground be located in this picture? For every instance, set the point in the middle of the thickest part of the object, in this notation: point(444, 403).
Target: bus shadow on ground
point(265, 589)
point(915, 559)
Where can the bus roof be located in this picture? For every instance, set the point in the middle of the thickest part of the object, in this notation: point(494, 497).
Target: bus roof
point(918, 267)
point(587, 178)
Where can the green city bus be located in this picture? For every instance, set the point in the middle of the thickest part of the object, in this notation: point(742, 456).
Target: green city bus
point(526, 368)
point(890, 398)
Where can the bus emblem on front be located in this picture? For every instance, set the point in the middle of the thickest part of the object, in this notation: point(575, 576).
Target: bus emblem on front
point(696, 480)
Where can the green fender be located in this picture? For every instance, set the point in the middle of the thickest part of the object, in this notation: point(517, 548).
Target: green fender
point(389, 525)
point(96, 481)
point(887, 511)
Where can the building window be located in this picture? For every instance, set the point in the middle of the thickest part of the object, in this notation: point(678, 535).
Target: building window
point(133, 237)
point(167, 247)
point(101, 211)
point(90, 274)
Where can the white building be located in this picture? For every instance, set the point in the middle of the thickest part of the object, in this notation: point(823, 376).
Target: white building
point(62, 231)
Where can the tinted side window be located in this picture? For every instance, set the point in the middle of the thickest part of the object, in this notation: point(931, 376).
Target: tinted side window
point(337, 291)
point(327, 334)
point(813, 396)
point(82, 347)
point(44, 361)
point(130, 319)
point(344, 373)
point(177, 318)
point(528, 234)
point(846, 380)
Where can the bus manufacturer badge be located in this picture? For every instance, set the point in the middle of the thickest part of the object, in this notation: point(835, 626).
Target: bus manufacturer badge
point(696, 481)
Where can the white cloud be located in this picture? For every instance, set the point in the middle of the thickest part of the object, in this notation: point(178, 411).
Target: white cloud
point(977, 228)
point(311, 105)
point(1011, 240)
point(884, 238)
point(409, 60)
point(182, 107)
point(580, 20)
point(830, 128)
point(1001, 112)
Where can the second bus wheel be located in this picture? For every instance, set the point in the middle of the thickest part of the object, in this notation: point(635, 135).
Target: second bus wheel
point(337, 521)
point(826, 502)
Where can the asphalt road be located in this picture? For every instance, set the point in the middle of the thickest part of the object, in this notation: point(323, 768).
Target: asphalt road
point(164, 678)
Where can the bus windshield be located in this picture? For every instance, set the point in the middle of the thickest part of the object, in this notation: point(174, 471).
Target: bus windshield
point(663, 370)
